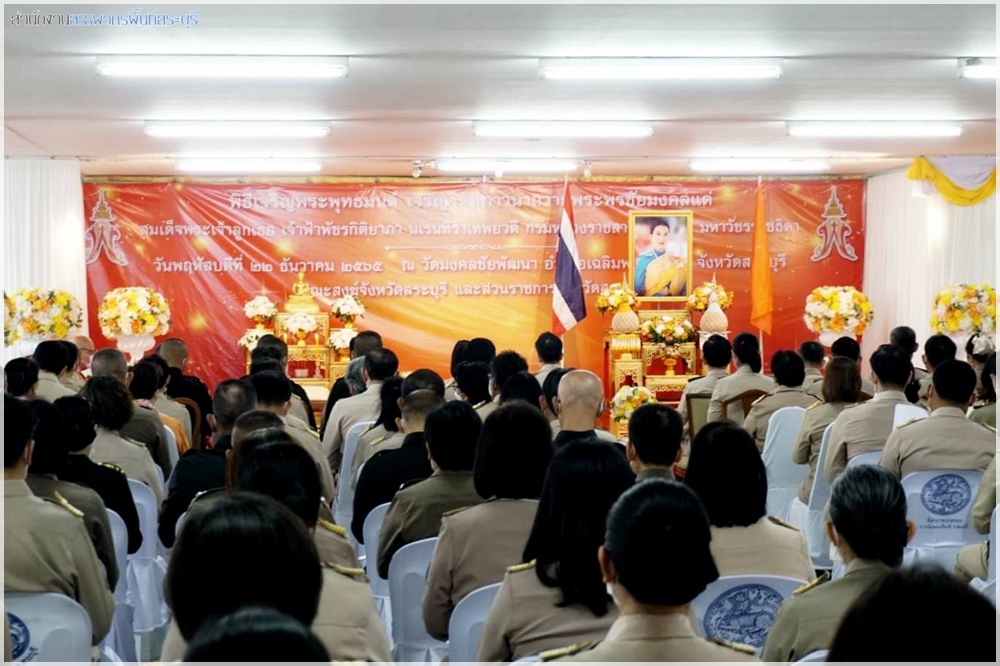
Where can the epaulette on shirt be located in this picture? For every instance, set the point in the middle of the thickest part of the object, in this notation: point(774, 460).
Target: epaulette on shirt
point(113, 466)
point(906, 423)
point(779, 521)
point(66, 505)
point(815, 404)
point(759, 399)
point(132, 441)
point(332, 527)
point(550, 655)
point(356, 573)
point(825, 576)
point(454, 511)
point(521, 567)
point(739, 647)
point(989, 427)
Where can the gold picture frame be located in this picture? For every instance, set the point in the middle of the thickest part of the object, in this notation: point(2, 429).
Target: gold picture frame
point(673, 271)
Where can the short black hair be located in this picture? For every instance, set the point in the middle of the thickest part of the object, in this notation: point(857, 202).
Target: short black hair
point(255, 633)
point(250, 422)
point(50, 356)
point(284, 472)
point(271, 387)
point(380, 364)
point(846, 347)
point(812, 352)
point(659, 526)
point(868, 509)
point(417, 405)
point(18, 426)
point(480, 350)
point(451, 432)
point(891, 364)
point(49, 456)
point(938, 349)
point(389, 394)
point(717, 351)
point(655, 432)
point(549, 348)
point(457, 355)
point(72, 353)
point(249, 534)
point(232, 398)
point(583, 480)
point(273, 345)
point(473, 379)
point(521, 386)
point(164, 369)
point(513, 452)
point(550, 387)
point(746, 347)
point(918, 600)
point(989, 368)
point(79, 420)
point(422, 380)
point(364, 342)
point(255, 440)
point(20, 374)
point(725, 470)
point(788, 368)
point(954, 381)
point(265, 363)
point(505, 365)
point(145, 381)
point(110, 402)
point(109, 362)
point(905, 338)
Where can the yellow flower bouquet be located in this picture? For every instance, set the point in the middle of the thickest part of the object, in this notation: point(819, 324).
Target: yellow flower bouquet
point(133, 311)
point(838, 310)
point(965, 308)
point(9, 333)
point(700, 298)
point(615, 297)
point(668, 329)
point(628, 399)
point(40, 314)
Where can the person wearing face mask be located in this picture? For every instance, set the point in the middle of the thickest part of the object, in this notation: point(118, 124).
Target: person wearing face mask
point(656, 272)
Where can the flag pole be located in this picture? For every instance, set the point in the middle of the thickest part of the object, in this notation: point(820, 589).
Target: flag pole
point(760, 332)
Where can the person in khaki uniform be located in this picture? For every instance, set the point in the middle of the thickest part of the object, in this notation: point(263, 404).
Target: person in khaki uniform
point(945, 439)
point(866, 522)
point(727, 474)
point(789, 372)
point(984, 411)
point(46, 545)
point(557, 597)
point(450, 435)
point(937, 349)
point(814, 356)
point(641, 564)
point(655, 432)
point(380, 364)
point(384, 434)
point(476, 545)
point(746, 358)
point(864, 428)
point(716, 352)
point(53, 365)
point(841, 387)
point(973, 560)
point(849, 348)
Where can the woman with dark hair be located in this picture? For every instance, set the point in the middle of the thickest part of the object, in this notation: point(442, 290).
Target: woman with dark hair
point(978, 349)
point(746, 358)
point(985, 409)
point(557, 596)
point(255, 633)
point(472, 383)
point(866, 522)
point(476, 545)
point(384, 433)
point(931, 615)
point(457, 357)
point(655, 560)
point(841, 387)
point(726, 472)
point(111, 406)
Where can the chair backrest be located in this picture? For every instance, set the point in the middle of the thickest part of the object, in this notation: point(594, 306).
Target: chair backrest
point(870, 458)
point(741, 609)
point(783, 475)
point(467, 620)
point(820, 493)
point(344, 505)
point(47, 627)
point(145, 505)
point(697, 412)
point(904, 413)
point(818, 655)
point(746, 400)
point(195, 410)
point(993, 546)
point(172, 455)
point(939, 503)
point(119, 537)
point(372, 531)
point(407, 582)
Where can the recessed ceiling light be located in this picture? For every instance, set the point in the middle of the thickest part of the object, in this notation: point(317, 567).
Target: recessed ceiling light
point(501, 166)
point(763, 165)
point(887, 129)
point(226, 129)
point(197, 66)
point(977, 68)
point(237, 166)
point(659, 68)
point(562, 129)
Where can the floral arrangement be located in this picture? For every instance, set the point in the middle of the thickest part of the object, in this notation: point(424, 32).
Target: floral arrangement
point(341, 340)
point(668, 329)
point(260, 309)
point(9, 332)
point(133, 311)
point(251, 338)
point(700, 298)
point(838, 310)
point(965, 308)
point(628, 399)
point(300, 322)
point(615, 296)
point(348, 308)
point(42, 313)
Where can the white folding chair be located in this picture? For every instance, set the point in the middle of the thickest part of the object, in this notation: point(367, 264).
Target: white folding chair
point(407, 582)
point(172, 455)
point(146, 568)
point(741, 609)
point(47, 627)
point(870, 458)
point(818, 655)
point(904, 413)
point(783, 475)
point(343, 505)
point(372, 531)
point(809, 517)
point(939, 503)
point(465, 628)
point(121, 639)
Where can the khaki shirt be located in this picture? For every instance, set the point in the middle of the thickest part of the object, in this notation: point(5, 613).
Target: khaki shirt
point(415, 512)
point(47, 549)
point(544, 371)
point(484, 409)
point(810, 438)
point(146, 428)
point(475, 546)
point(131, 457)
point(526, 619)
point(307, 438)
point(985, 415)
point(333, 545)
point(765, 548)
point(178, 411)
point(701, 386)
point(74, 382)
point(861, 429)
point(760, 414)
point(973, 560)
point(727, 388)
point(808, 620)
point(371, 442)
point(299, 409)
point(944, 440)
point(49, 388)
point(652, 638)
point(347, 412)
point(813, 383)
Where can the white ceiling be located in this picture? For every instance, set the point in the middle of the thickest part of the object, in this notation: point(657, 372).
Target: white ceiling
point(419, 76)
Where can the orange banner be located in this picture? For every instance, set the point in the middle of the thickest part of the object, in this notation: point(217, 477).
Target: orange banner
point(437, 262)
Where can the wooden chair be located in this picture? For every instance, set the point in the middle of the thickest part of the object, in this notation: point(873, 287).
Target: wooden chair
point(195, 410)
point(746, 400)
point(697, 412)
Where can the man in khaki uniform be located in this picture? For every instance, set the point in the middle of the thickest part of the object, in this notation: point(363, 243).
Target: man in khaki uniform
point(717, 351)
point(945, 439)
point(937, 349)
point(131, 457)
point(450, 434)
point(814, 356)
point(866, 427)
point(789, 371)
point(973, 560)
point(50, 355)
point(46, 545)
point(727, 388)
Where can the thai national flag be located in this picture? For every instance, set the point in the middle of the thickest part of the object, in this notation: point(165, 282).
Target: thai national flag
point(568, 306)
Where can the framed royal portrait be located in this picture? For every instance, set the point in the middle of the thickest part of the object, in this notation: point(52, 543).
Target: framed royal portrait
point(660, 254)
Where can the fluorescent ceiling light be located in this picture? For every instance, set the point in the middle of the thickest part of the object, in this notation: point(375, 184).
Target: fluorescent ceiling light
point(237, 166)
point(875, 129)
point(243, 67)
point(763, 165)
point(506, 166)
point(977, 68)
point(560, 129)
point(225, 129)
point(659, 68)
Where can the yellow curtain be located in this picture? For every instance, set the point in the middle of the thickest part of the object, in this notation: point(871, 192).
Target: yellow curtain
point(923, 169)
